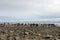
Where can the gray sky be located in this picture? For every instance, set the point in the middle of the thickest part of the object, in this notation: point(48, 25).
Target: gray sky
point(29, 8)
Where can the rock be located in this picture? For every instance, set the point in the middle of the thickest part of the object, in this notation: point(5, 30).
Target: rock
point(39, 34)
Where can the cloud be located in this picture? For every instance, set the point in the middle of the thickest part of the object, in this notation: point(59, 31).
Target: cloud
point(22, 8)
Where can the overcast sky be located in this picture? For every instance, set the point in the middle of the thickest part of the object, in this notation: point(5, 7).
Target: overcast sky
point(29, 8)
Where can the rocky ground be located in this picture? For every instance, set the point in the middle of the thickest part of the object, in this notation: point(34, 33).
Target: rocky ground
point(30, 32)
